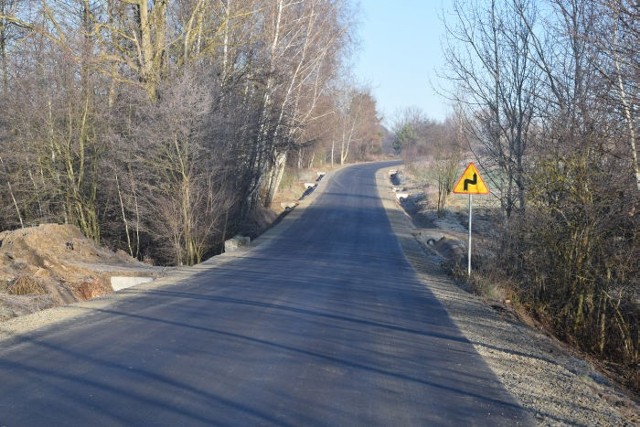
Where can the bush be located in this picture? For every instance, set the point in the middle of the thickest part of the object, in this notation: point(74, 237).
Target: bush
point(574, 256)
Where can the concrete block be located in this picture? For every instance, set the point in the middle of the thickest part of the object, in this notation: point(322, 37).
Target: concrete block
point(124, 282)
point(288, 205)
point(236, 242)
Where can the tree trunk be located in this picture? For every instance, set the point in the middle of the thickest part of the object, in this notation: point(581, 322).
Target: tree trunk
point(275, 178)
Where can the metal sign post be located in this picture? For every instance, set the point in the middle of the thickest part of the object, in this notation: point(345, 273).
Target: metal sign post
point(470, 215)
point(470, 183)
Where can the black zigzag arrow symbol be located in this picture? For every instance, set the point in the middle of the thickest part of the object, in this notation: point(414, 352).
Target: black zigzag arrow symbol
point(473, 181)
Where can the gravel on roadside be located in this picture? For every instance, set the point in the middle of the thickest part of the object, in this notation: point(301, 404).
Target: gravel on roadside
point(554, 385)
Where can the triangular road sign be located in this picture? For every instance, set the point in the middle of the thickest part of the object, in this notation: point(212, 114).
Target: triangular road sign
point(470, 182)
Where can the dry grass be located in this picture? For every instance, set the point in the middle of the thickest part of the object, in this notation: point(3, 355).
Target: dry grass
point(19, 305)
point(27, 285)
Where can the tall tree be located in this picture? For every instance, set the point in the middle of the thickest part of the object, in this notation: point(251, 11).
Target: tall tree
point(490, 58)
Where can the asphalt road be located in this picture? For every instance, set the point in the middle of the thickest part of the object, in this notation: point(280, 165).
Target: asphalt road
point(324, 324)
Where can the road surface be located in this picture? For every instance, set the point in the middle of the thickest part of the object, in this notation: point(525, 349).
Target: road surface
point(324, 324)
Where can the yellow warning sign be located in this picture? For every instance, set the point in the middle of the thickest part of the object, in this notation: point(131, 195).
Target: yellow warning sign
point(470, 182)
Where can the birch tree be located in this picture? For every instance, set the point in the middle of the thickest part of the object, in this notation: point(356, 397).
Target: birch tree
point(617, 39)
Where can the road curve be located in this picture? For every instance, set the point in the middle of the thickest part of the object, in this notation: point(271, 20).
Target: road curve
point(323, 324)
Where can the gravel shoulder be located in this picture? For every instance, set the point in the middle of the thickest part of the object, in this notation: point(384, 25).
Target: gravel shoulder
point(554, 385)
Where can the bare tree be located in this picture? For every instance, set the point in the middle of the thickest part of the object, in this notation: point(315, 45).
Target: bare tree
point(448, 154)
point(146, 110)
point(357, 123)
point(432, 151)
point(617, 38)
point(490, 57)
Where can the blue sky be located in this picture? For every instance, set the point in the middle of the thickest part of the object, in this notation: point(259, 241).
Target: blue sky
point(400, 54)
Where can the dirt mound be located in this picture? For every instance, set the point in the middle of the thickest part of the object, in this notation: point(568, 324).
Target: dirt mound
point(53, 264)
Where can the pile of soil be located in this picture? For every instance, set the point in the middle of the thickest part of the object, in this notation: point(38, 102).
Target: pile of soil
point(54, 264)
